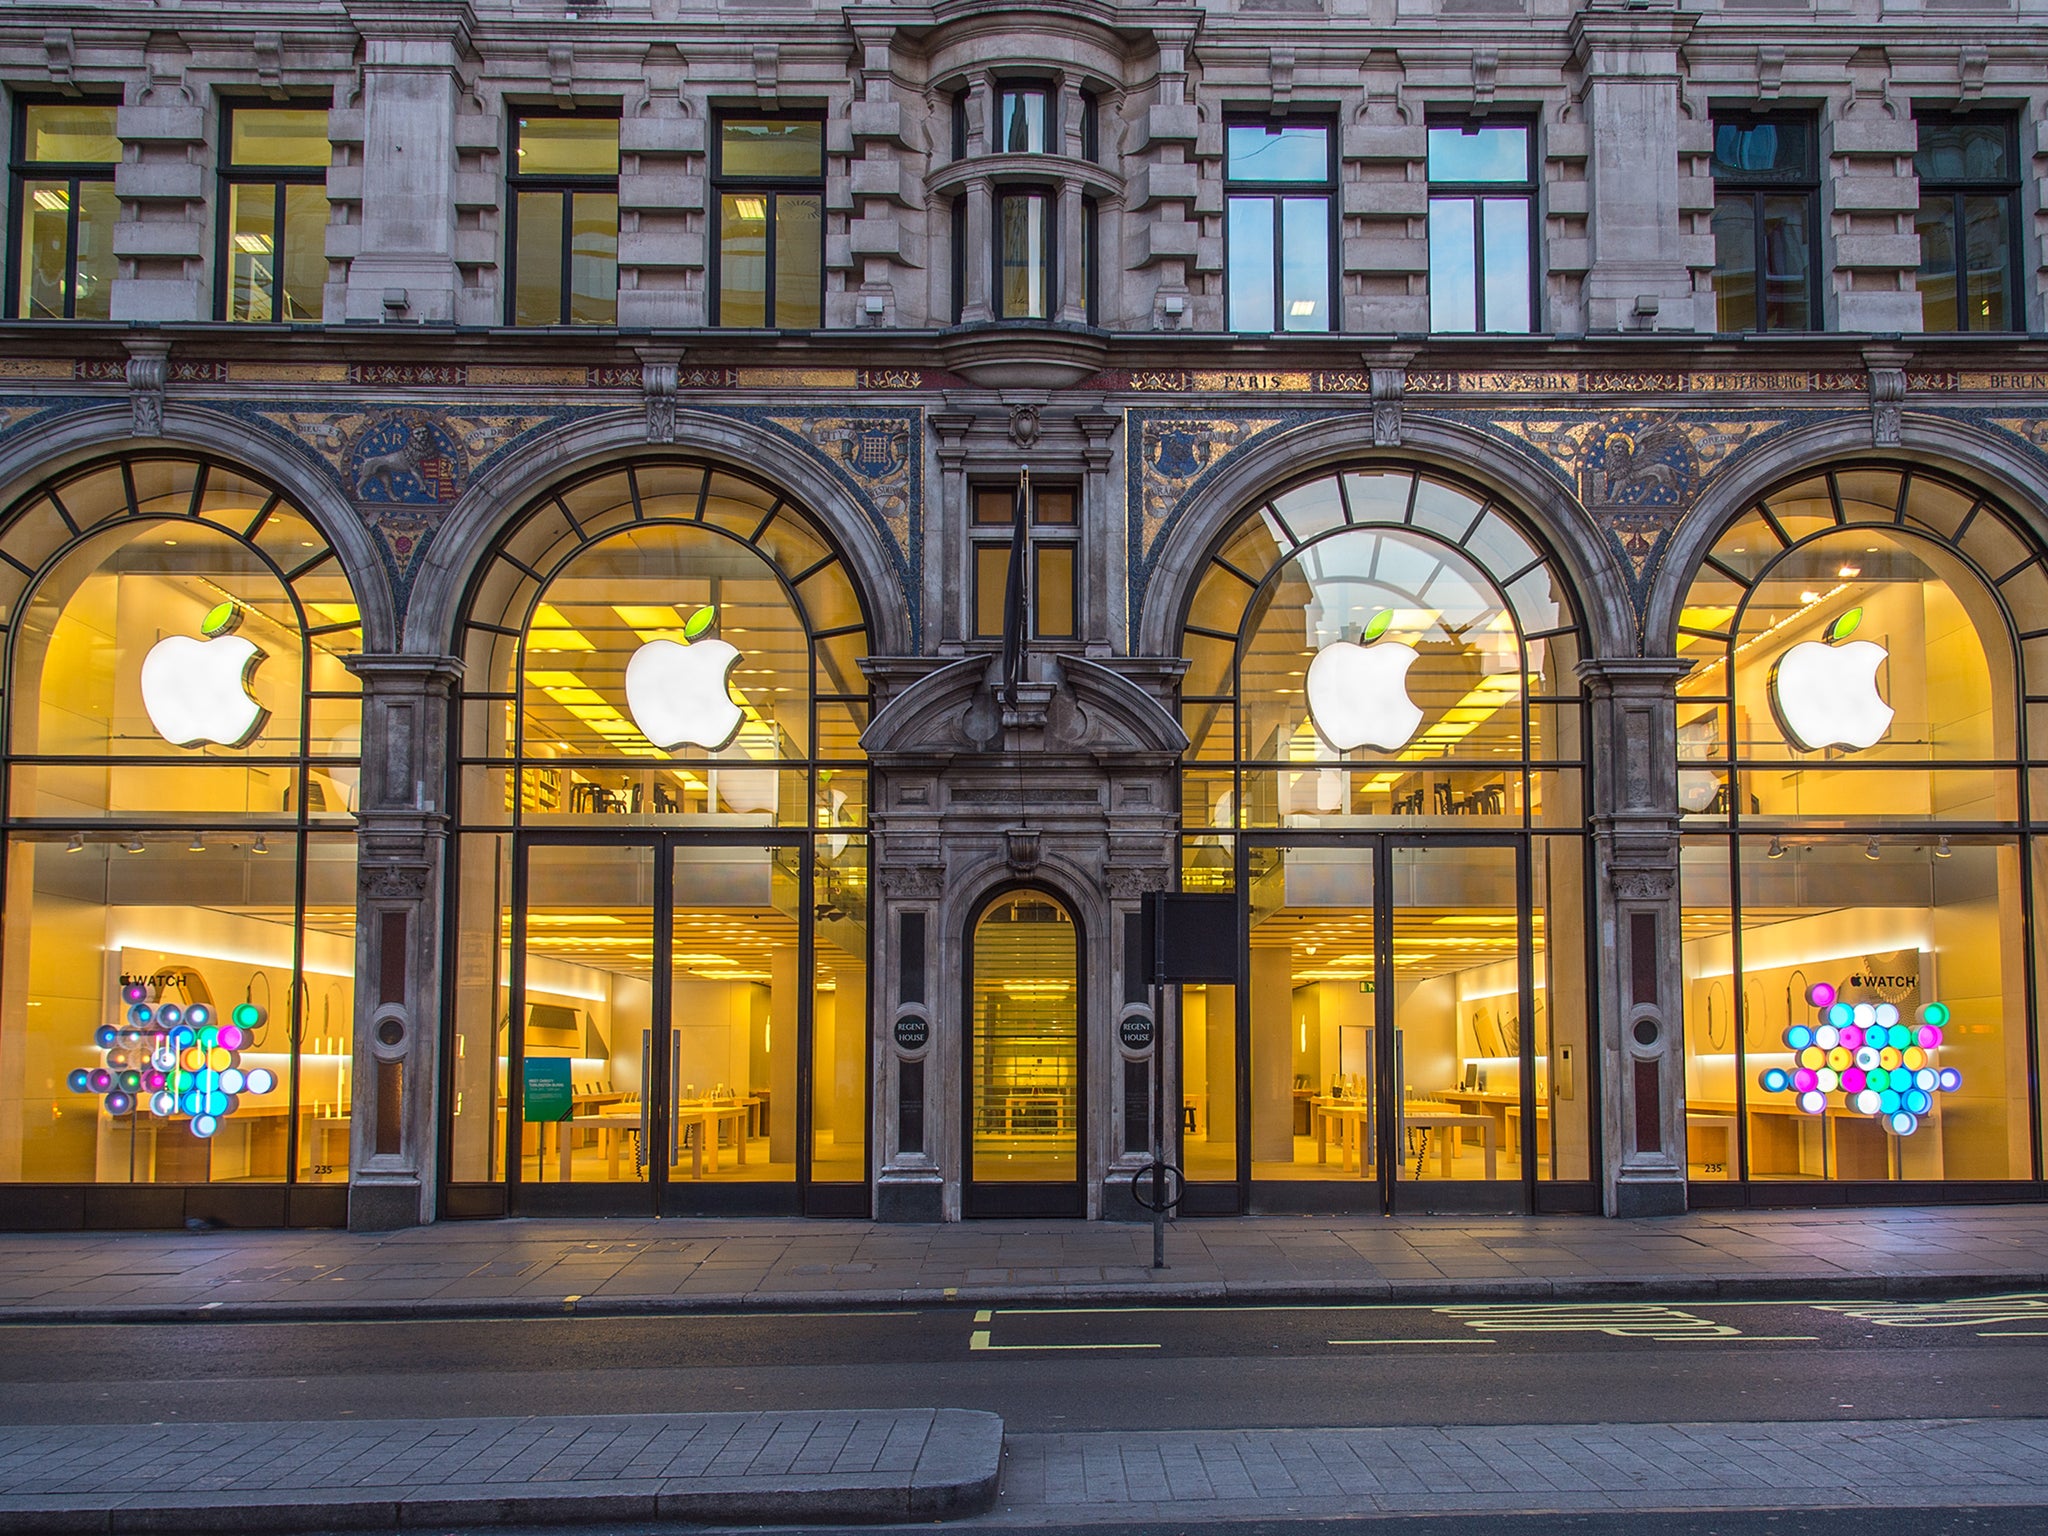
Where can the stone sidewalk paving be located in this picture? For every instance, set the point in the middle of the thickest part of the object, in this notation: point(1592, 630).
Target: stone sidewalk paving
point(1071, 1480)
point(505, 1268)
point(812, 1468)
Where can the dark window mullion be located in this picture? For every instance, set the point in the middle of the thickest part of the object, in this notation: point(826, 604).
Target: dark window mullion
point(774, 212)
point(277, 191)
point(1479, 262)
point(1279, 266)
point(568, 250)
point(75, 185)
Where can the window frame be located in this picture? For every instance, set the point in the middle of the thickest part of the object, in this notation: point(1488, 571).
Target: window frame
point(21, 171)
point(566, 185)
point(1477, 193)
point(2008, 190)
point(769, 187)
point(1278, 192)
point(1048, 250)
point(1756, 190)
point(1038, 535)
point(278, 178)
point(1000, 90)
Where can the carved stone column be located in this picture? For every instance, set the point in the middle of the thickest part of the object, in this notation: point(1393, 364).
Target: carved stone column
point(1633, 748)
point(401, 844)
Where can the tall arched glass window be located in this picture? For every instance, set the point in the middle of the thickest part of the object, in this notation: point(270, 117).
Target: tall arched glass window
point(1851, 746)
point(182, 749)
point(1372, 655)
point(664, 868)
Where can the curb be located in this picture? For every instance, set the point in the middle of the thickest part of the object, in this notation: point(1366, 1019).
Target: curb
point(955, 1478)
point(1833, 1286)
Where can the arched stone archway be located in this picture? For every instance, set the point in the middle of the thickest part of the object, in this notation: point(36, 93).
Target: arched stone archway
point(881, 567)
point(1071, 788)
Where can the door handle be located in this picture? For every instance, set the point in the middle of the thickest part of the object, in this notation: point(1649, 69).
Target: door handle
point(675, 1075)
point(646, 1096)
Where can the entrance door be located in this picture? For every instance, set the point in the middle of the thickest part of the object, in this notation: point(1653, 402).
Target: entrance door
point(1390, 1027)
point(658, 1015)
point(1023, 1079)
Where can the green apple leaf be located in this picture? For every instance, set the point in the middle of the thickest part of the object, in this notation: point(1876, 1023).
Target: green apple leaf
point(1845, 626)
point(699, 621)
point(221, 618)
point(1377, 627)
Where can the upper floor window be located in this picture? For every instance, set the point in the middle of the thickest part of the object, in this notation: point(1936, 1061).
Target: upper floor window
point(769, 173)
point(1766, 224)
point(1052, 533)
point(565, 219)
point(1279, 184)
point(1024, 288)
point(63, 210)
point(1482, 227)
point(274, 241)
point(1968, 223)
point(1025, 120)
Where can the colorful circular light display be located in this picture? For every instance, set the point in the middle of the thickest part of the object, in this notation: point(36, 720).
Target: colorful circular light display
point(174, 1060)
point(1882, 1066)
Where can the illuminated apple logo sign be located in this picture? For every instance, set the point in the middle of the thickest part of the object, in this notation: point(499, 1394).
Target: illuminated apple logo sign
point(197, 691)
point(677, 693)
point(1358, 691)
point(1824, 693)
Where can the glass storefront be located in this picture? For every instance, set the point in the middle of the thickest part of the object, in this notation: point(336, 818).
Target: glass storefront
point(661, 994)
point(1384, 728)
point(1854, 874)
point(177, 978)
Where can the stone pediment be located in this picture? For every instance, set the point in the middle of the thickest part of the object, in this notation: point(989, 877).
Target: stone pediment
point(1069, 707)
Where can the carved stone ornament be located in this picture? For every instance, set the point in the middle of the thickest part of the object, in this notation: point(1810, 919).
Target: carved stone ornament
point(1127, 882)
point(913, 882)
point(1887, 400)
point(395, 882)
point(1022, 849)
point(149, 363)
point(658, 372)
point(1641, 884)
point(1025, 427)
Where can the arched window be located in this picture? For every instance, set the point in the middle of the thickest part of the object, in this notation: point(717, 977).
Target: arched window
point(664, 802)
point(182, 749)
point(1374, 654)
point(1852, 777)
point(634, 568)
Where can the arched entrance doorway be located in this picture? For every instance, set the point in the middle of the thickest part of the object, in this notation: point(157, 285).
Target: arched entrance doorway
point(1024, 1077)
point(1385, 768)
point(661, 998)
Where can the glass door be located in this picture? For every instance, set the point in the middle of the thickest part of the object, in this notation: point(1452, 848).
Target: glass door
point(658, 1015)
point(1389, 1027)
point(736, 1014)
point(1462, 1025)
point(588, 1036)
point(1023, 1080)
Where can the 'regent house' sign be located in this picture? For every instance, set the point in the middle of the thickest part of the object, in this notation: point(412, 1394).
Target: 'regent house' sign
point(1135, 1032)
point(912, 1032)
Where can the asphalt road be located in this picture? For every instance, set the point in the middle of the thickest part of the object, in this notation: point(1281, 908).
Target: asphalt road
point(1075, 1369)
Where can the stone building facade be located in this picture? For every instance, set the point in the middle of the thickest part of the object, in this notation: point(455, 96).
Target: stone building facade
point(850, 271)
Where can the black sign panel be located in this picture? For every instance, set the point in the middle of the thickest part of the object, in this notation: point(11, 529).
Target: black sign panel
point(912, 1032)
point(1135, 1032)
point(1190, 937)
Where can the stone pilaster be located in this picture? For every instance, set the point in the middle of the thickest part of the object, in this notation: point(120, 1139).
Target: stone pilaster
point(1629, 61)
point(406, 267)
point(401, 846)
point(1632, 724)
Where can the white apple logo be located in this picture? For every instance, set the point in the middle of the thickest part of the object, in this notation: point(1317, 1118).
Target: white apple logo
point(1825, 693)
point(198, 690)
point(677, 693)
point(1358, 691)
